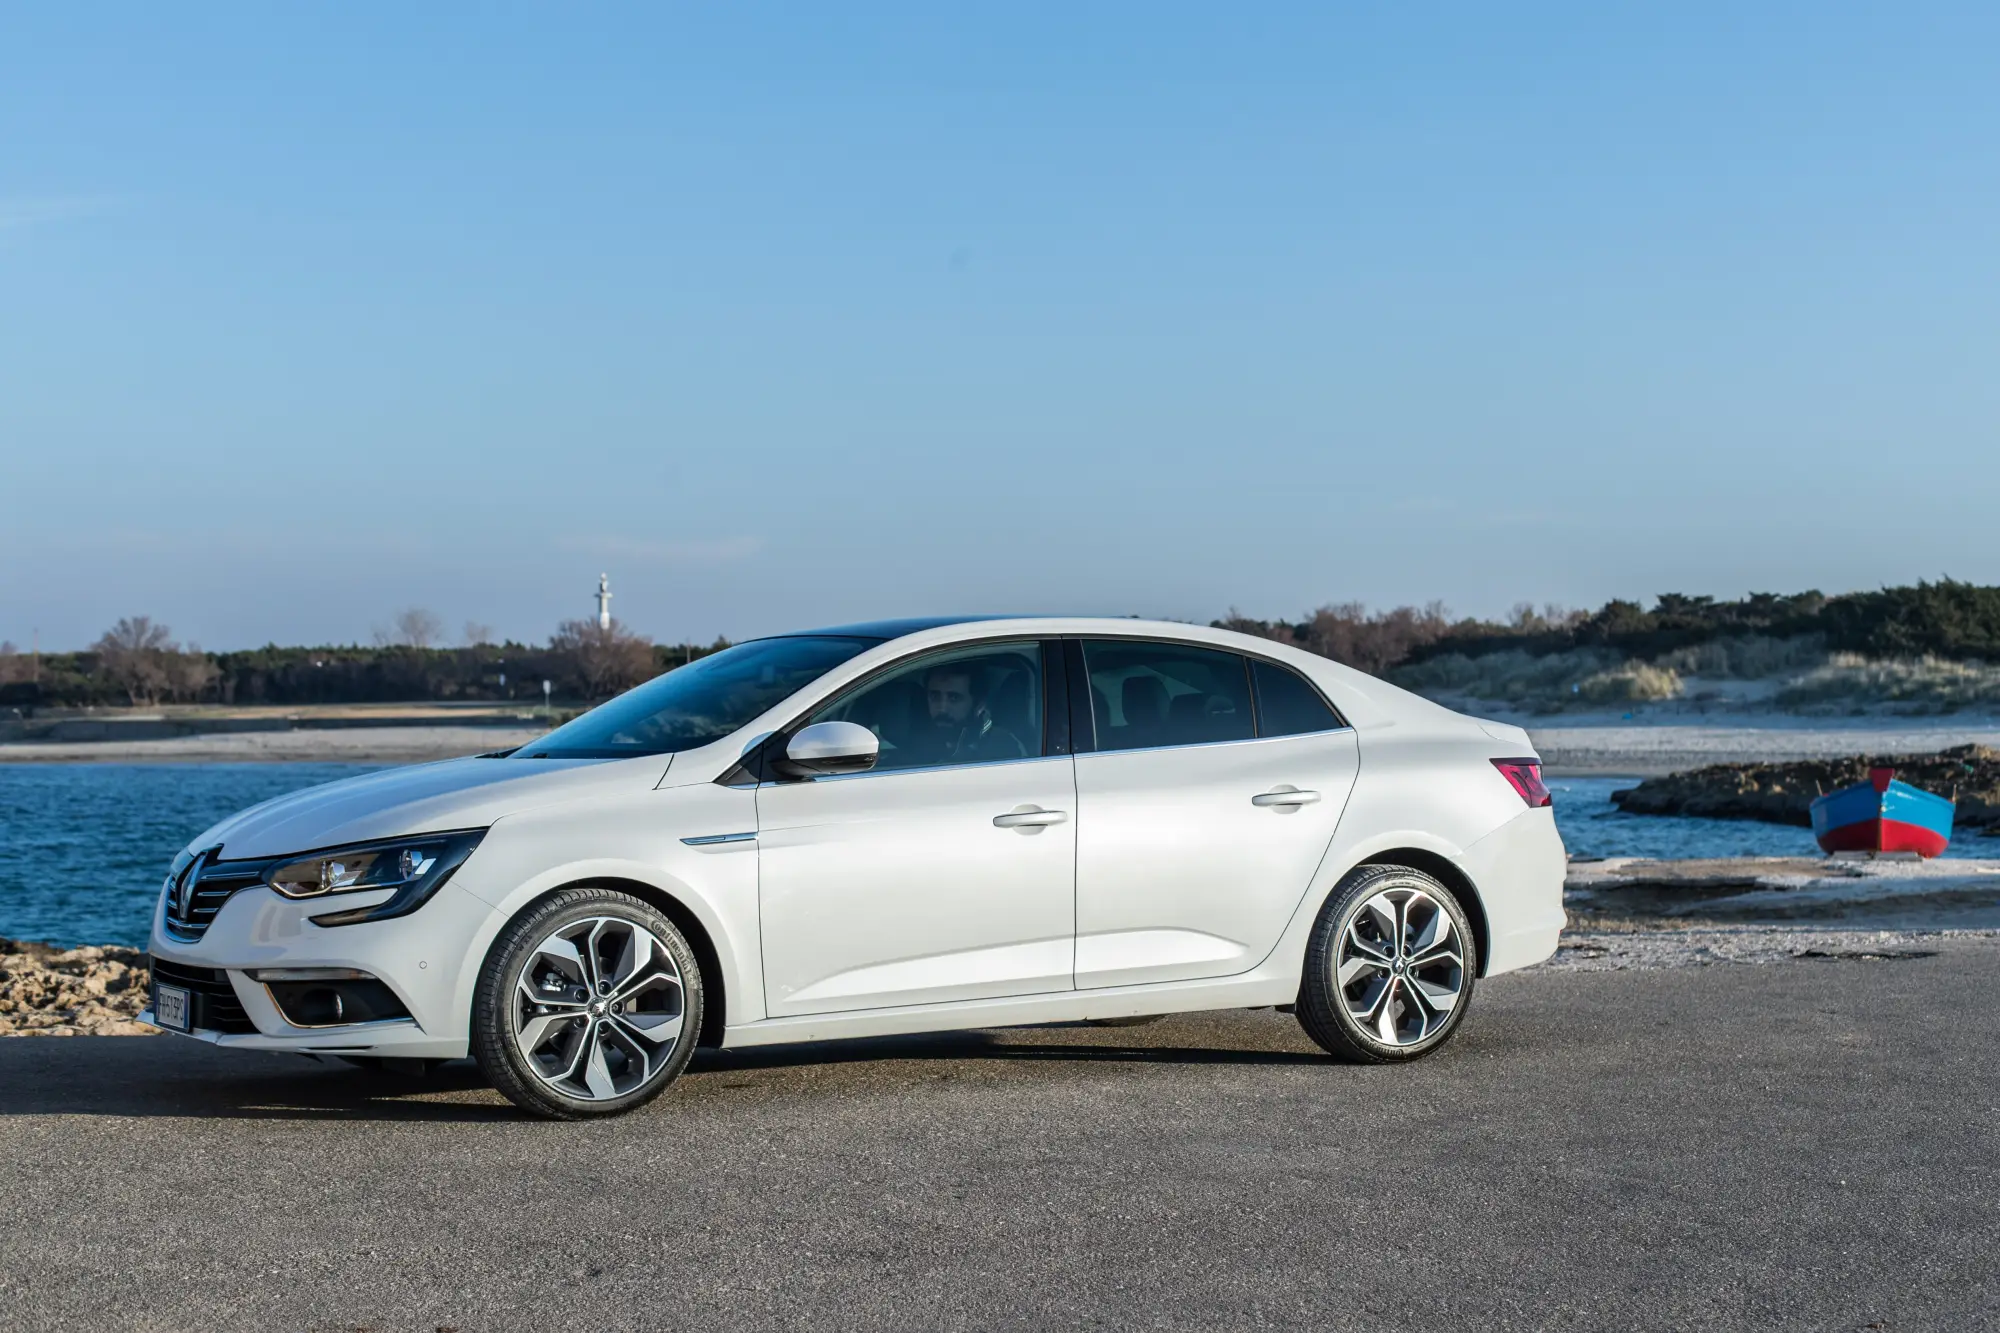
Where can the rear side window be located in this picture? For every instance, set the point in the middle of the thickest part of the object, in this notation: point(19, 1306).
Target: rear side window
point(1287, 704)
point(1144, 694)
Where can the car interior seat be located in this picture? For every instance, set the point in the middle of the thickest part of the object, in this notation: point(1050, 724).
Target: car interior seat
point(1144, 699)
point(1011, 705)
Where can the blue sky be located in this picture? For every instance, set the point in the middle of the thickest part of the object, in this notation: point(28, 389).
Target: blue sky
point(793, 314)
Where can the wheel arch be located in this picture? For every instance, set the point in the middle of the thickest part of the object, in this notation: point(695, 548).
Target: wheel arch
point(1450, 874)
point(715, 983)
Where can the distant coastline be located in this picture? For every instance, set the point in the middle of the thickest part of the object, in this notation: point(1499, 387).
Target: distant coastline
point(381, 744)
point(1641, 742)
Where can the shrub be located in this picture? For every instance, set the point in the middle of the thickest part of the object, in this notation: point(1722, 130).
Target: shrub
point(1751, 657)
point(1850, 680)
point(1633, 683)
point(1350, 634)
point(1544, 682)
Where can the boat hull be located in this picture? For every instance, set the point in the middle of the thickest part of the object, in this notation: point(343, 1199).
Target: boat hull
point(1889, 817)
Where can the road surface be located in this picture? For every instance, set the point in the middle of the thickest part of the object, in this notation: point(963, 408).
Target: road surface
point(1808, 1144)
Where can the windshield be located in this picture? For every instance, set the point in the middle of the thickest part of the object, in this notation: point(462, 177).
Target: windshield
point(701, 702)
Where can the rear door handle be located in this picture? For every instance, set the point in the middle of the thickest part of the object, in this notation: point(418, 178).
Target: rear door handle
point(1284, 798)
point(1029, 818)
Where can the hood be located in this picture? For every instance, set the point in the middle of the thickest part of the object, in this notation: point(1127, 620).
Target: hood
point(424, 798)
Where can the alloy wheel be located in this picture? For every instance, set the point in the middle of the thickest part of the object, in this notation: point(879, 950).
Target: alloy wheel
point(598, 1008)
point(1400, 968)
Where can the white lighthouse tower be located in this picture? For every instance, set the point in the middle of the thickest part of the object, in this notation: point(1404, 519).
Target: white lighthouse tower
point(604, 601)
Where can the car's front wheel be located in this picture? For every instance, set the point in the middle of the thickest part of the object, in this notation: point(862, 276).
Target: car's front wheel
point(588, 1005)
point(1389, 968)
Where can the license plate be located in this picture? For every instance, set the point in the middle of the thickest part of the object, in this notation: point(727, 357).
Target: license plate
point(172, 1008)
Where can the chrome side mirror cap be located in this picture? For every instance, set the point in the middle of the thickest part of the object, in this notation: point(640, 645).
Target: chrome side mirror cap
point(826, 749)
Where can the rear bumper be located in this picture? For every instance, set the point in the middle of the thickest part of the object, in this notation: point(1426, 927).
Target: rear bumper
point(1520, 868)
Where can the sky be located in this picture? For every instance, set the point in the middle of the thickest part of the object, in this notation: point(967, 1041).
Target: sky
point(787, 315)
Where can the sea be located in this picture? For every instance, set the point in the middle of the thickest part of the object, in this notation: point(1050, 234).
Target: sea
point(84, 848)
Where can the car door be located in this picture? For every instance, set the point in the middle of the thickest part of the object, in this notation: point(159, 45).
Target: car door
point(1208, 788)
point(948, 871)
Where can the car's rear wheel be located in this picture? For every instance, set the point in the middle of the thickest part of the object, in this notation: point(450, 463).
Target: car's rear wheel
point(1389, 968)
point(588, 1005)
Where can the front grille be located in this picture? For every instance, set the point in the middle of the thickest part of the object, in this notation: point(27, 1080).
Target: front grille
point(216, 1007)
point(195, 898)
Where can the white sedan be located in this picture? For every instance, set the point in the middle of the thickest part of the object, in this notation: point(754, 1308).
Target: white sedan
point(898, 827)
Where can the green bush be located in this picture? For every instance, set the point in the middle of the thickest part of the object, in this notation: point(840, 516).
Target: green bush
point(1545, 682)
point(1851, 680)
point(1752, 657)
point(1633, 683)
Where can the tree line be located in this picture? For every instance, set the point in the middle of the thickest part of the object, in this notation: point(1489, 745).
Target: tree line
point(1946, 619)
point(138, 662)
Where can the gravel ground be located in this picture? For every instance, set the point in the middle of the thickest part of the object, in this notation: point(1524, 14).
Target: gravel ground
point(1624, 950)
point(1807, 1145)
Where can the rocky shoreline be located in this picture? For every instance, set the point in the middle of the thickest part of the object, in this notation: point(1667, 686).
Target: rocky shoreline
point(1782, 793)
point(95, 991)
point(1624, 912)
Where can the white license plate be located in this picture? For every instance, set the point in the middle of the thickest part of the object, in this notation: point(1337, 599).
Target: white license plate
point(171, 1008)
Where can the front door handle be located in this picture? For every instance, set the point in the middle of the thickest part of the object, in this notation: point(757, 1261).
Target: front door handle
point(1285, 798)
point(1029, 817)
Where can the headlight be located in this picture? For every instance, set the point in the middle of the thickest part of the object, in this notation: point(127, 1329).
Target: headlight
point(414, 867)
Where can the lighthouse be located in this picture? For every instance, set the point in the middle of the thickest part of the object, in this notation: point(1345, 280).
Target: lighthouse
point(604, 601)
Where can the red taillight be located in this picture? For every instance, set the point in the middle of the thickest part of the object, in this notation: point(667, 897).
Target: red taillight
point(1525, 777)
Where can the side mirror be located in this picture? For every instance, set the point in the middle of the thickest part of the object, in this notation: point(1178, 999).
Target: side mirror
point(829, 748)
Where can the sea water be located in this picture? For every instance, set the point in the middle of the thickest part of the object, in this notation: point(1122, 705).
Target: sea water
point(84, 847)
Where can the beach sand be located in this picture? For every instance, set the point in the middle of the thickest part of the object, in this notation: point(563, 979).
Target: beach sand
point(1572, 745)
point(1575, 747)
point(360, 745)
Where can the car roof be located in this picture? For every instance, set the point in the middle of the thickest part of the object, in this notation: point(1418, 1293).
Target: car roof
point(885, 630)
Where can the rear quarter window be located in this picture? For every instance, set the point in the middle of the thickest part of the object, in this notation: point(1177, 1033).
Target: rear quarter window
point(1287, 703)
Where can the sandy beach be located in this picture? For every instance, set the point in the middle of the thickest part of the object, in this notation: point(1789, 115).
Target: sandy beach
point(1613, 746)
point(364, 745)
point(1572, 745)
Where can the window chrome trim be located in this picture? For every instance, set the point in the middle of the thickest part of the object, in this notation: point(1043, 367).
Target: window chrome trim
point(927, 768)
point(1210, 745)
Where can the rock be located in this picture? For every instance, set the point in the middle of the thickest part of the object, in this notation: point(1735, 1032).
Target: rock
point(97, 991)
point(1784, 793)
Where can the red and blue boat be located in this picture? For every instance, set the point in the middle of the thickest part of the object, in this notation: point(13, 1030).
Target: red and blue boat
point(1882, 815)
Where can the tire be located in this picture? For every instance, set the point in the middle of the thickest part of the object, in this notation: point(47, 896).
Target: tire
point(589, 1005)
point(1388, 1011)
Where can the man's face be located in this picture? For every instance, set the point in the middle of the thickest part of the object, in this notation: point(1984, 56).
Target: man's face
point(949, 692)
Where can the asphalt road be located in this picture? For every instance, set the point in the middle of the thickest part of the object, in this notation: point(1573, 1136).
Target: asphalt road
point(1807, 1144)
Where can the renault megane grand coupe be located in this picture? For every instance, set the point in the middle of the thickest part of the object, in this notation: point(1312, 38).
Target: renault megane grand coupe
point(887, 828)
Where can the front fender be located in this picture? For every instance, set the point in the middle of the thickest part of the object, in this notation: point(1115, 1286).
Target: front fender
point(524, 858)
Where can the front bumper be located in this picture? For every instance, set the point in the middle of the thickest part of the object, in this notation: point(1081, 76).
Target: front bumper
point(428, 959)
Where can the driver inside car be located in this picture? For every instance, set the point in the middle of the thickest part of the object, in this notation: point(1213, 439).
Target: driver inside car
point(962, 730)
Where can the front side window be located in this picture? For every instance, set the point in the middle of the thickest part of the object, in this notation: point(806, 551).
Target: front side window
point(973, 705)
point(1145, 694)
point(699, 703)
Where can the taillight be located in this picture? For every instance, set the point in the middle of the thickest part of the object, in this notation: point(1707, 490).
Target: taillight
point(1525, 777)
